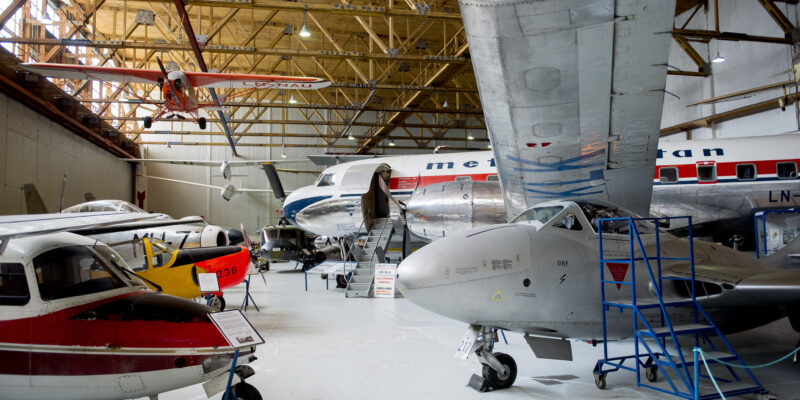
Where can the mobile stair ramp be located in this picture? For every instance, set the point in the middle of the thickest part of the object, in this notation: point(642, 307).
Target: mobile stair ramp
point(360, 283)
point(662, 348)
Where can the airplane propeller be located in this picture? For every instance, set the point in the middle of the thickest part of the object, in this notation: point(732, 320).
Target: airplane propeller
point(171, 84)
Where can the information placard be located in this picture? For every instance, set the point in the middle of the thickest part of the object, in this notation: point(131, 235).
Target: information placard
point(207, 282)
point(236, 329)
point(385, 280)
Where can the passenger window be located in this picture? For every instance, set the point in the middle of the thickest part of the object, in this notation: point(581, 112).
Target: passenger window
point(569, 222)
point(327, 180)
point(787, 170)
point(72, 271)
point(463, 179)
point(706, 173)
point(492, 178)
point(668, 174)
point(13, 286)
point(746, 172)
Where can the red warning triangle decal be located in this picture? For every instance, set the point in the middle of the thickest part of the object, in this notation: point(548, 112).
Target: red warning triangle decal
point(618, 272)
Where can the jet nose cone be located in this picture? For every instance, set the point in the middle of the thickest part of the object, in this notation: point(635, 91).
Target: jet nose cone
point(452, 275)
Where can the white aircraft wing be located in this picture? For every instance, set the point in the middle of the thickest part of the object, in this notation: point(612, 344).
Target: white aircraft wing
point(110, 74)
point(247, 81)
point(572, 92)
point(13, 226)
point(209, 163)
point(234, 188)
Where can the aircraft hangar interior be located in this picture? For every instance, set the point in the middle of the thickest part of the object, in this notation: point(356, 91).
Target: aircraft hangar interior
point(310, 199)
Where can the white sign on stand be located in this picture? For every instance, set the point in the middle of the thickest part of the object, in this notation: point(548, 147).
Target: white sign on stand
point(208, 282)
point(236, 329)
point(385, 280)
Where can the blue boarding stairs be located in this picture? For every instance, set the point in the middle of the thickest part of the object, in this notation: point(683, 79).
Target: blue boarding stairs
point(660, 347)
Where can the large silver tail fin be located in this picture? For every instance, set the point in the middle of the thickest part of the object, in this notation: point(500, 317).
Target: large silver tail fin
point(33, 201)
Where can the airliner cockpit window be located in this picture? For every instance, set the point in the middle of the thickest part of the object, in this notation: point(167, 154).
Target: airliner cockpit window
point(13, 285)
point(73, 271)
point(538, 214)
point(327, 180)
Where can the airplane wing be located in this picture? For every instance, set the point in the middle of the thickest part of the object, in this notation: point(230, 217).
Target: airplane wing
point(14, 226)
point(572, 92)
point(245, 81)
point(235, 189)
point(111, 74)
point(204, 163)
point(740, 286)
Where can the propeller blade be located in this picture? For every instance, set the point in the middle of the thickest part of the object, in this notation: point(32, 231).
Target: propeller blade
point(385, 189)
point(169, 82)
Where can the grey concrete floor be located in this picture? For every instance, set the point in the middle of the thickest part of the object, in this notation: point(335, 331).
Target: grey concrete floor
point(320, 345)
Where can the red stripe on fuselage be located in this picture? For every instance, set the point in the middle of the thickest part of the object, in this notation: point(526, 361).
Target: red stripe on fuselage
point(410, 182)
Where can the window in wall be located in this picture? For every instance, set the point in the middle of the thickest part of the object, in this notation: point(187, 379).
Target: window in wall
point(668, 174)
point(706, 173)
point(13, 286)
point(787, 170)
point(746, 172)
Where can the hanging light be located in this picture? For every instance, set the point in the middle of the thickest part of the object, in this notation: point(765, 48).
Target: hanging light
point(391, 143)
point(489, 145)
point(470, 137)
point(718, 58)
point(351, 137)
point(304, 31)
point(446, 104)
point(283, 150)
point(292, 100)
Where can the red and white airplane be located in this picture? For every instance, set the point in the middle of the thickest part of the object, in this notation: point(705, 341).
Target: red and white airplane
point(178, 87)
point(77, 323)
point(712, 180)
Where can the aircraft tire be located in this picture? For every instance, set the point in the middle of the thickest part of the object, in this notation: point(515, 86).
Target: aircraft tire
point(148, 122)
point(217, 303)
point(495, 380)
point(246, 391)
point(201, 122)
point(341, 281)
point(651, 374)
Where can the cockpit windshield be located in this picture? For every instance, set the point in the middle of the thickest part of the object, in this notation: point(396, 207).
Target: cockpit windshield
point(540, 215)
point(327, 180)
point(594, 211)
point(75, 271)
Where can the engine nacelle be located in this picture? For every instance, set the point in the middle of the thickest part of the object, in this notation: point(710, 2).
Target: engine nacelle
point(227, 192)
point(436, 210)
point(212, 236)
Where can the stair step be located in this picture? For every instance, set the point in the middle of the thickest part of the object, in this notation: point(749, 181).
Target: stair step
point(650, 303)
point(360, 286)
point(361, 279)
point(688, 357)
point(730, 389)
point(678, 329)
point(357, 293)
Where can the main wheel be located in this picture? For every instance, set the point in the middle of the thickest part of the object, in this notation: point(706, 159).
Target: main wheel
point(217, 303)
point(600, 380)
point(341, 281)
point(148, 122)
point(498, 380)
point(651, 374)
point(246, 391)
point(201, 122)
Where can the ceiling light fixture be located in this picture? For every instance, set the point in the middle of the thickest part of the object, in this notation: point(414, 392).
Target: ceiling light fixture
point(283, 150)
point(351, 137)
point(391, 143)
point(446, 104)
point(470, 137)
point(304, 31)
point(718, 58)
point(292, 100)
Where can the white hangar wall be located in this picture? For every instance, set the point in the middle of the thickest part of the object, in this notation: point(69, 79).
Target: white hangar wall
point(747, 65)
point(35, 149)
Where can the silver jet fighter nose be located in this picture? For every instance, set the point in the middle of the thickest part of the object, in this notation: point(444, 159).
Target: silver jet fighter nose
point(470, 275)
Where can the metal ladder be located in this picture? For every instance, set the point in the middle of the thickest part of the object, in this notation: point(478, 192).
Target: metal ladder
point(361, 280)
point(664, 350)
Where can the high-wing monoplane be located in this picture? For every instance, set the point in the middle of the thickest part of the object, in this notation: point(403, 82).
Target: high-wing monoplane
point(178, 88)
point(75, 316)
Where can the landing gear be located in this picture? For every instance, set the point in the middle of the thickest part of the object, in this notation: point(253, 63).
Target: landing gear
point(246, 391)
point(148, 122)
point(501, 379)
point(201, 122)
point(217, 303)
point(499, 369)
point(651, 374)
point(341, 281)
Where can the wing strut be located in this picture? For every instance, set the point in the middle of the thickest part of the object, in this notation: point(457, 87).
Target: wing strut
point(198, 54)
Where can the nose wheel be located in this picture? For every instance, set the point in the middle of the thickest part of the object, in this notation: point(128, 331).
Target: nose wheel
point(217, 303)
point(503, 378)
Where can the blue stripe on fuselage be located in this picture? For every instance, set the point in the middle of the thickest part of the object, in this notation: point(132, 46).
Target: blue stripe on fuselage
point(291, 209)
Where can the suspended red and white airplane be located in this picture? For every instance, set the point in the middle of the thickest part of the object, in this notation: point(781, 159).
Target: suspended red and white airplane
point(178, 87)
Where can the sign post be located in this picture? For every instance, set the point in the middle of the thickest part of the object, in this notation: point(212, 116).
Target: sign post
point(385, 280)
point(239, 332)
